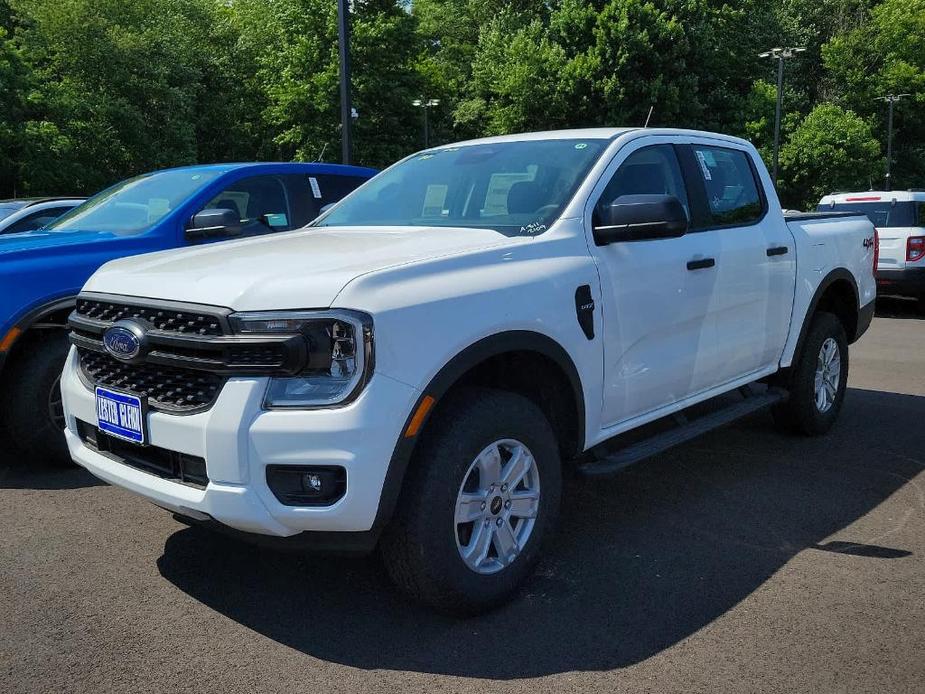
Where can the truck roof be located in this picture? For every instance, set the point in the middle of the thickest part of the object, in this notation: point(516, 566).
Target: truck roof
point(875, 196)
point(589, 134)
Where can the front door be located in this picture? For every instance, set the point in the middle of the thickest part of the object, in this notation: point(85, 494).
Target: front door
point(657, 295)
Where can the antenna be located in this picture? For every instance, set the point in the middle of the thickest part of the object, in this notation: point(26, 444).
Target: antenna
point(320, 157)
point(649, 116)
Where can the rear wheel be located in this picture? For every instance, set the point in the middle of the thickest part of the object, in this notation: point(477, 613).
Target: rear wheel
point(480, 497)
point(818, 380)
point(31, 411)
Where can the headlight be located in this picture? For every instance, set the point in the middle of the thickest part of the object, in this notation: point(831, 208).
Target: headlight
point(339, 345)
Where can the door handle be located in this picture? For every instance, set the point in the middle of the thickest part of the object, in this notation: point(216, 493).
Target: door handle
point(777, 250)
point(700, 263)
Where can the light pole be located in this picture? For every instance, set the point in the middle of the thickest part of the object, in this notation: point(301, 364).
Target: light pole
point(425, 104)
point(346, 110)
point(890, 99)
point(779, 54)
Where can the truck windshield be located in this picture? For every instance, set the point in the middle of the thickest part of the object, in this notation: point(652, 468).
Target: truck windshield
point(134, 205)
point(515, 188)
point(883, 214)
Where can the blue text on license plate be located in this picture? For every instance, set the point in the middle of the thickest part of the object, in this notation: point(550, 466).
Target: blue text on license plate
point(120, 415)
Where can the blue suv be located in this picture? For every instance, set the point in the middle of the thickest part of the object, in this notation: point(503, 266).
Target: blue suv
point(42, 271)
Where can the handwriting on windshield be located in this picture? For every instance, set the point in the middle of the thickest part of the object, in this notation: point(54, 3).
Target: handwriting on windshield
point(533, 228)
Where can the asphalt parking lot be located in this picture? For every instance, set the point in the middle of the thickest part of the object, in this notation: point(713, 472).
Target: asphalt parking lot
point(745, 561)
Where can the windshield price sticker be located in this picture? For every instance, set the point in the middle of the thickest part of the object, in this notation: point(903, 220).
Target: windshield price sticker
point(316, 189)
point(703, 165)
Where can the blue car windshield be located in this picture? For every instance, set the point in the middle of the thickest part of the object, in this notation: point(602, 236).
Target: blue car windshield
point(136, 204)
point(515, 188)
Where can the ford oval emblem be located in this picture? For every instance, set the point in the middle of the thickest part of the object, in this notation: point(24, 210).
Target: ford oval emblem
point(123, 342)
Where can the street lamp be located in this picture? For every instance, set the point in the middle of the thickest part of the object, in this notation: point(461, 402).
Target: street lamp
point(890, 99)
point(425, 104)
point(779, 54)
point(346, 110)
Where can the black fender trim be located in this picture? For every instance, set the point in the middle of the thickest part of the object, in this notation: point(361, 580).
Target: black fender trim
point(35, 315)
point(827, 281)
point(512, 341)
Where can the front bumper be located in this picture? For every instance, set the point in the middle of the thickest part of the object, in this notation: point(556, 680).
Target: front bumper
point(908, 281)
point(238, 440)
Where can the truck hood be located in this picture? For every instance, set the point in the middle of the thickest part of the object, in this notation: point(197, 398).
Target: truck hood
point(301, 269)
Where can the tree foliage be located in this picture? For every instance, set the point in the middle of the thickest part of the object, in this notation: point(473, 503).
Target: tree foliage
point(92, 91)
point(831, 149)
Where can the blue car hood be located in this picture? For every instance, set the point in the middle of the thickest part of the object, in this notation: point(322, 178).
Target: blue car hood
point(39, 240)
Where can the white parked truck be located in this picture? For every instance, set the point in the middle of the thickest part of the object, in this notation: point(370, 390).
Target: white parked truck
point(899, 217)
point(416, 369)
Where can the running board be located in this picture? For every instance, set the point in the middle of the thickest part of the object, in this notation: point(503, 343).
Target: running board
point(687, 430)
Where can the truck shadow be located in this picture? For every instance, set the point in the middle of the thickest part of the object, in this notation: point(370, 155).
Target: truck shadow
point(19, 473)
point(641, 562)
point(898, 307)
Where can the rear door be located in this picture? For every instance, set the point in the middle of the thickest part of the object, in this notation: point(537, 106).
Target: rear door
point(755, 266)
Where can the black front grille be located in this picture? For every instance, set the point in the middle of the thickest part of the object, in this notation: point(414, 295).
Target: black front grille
point(167, 464)
point(187, 322)
point(166, 388)
point(187, 352)
point(261, 355)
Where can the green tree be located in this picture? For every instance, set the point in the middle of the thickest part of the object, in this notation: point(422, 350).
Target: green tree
point(608, 63)
point(448, 33)
point(831, 149)
point(118, 88)
point(294, 49)
point(886, 55)
point(13, 81)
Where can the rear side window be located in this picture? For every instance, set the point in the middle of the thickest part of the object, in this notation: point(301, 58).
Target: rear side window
point(732, 192)
point(309, 193)
point(333, 188)
point(884, 214)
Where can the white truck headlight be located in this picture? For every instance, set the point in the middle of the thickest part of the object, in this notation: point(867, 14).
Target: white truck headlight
point(339, 348)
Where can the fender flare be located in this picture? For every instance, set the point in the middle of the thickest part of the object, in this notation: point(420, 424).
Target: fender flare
point(446, 377)
point(827, 281)
point(30, 318)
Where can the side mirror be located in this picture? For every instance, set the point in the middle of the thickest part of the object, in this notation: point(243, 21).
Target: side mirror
point(218, 222)
point(640, 218)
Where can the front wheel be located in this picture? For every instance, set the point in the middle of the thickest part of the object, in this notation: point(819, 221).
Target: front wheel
point(818, 380)
point(30, 410)
point(481, 494)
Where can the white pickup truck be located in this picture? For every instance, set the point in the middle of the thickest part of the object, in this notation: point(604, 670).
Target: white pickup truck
point(416, 369)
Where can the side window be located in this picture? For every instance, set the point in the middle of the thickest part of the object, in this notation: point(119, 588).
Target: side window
point(729, 181)
point(304, 198)
point(647, 171)
point(333, 187)
point(36, 220)
point(260, 202)
point(308, 193)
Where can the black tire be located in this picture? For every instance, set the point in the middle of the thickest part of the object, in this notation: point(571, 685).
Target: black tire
point(800, 413)
point(31, 381)
point(921, 305)
point(419, 548)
